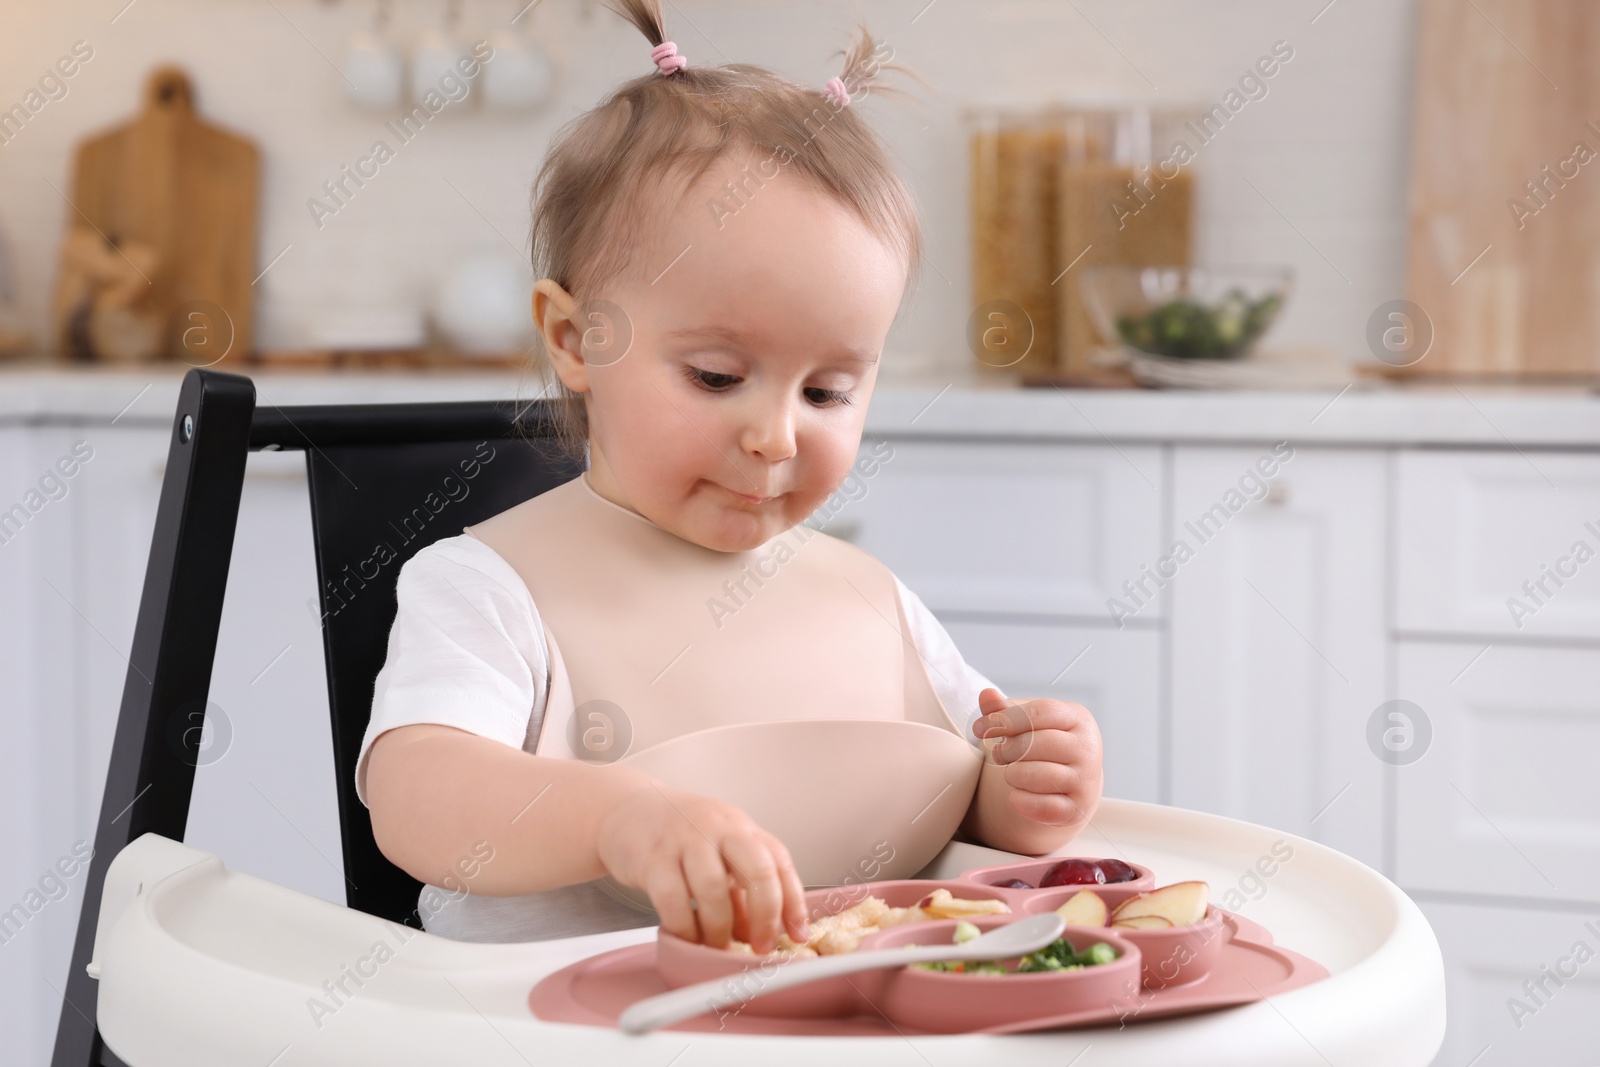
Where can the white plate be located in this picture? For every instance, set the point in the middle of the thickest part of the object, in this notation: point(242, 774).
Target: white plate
point(1262, 369)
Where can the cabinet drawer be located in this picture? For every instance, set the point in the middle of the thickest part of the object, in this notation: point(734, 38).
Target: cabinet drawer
point(1113, 673)
point(1505, 799)
point(1494, 962)
point(1032, 529)
point(1499, 543)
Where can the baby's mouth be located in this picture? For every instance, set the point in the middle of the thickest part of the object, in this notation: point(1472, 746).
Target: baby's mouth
point(749, 498)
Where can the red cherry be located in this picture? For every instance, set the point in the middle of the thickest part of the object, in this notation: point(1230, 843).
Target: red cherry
point(1118, 871)
point(1076, 871)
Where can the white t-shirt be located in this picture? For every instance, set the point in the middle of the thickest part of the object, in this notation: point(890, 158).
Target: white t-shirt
point(467, 650)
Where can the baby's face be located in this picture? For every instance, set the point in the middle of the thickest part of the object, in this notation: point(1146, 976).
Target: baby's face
point(738, 408)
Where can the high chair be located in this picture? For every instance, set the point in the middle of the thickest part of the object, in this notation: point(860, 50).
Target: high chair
point(180, 962)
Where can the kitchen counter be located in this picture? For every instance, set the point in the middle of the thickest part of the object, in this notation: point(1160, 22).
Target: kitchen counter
point(1363, 413)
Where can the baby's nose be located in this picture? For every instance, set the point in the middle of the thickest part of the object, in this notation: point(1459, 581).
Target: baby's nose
point(770, 433)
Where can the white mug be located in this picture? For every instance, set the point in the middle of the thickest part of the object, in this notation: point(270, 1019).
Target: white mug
point(439, 55)
point(520, 76)
point(483, 305)
point(373, 71)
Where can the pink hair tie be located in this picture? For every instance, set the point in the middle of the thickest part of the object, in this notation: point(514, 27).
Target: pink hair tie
point(837, 91)
point(667, 58)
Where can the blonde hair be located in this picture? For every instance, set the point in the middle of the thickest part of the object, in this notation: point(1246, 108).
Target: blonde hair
point(608, 168)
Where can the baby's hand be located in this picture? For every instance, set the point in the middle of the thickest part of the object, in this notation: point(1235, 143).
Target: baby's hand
point(680, 847)
point(1051, 753)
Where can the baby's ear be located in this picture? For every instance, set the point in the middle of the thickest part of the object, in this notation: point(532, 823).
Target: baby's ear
point(555, 315)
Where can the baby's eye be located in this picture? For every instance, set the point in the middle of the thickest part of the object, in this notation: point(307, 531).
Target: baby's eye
point(823, 397)
point(711, 379)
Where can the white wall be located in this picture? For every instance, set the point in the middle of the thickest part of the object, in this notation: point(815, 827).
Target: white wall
point(1328, 147)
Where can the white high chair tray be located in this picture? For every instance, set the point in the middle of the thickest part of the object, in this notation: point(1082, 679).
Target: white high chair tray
point(200, 966)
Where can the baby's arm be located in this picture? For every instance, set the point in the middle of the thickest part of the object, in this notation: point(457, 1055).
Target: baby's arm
point(1042, 783)
point(446, 773)
point(1039, 788)
point(435, 792)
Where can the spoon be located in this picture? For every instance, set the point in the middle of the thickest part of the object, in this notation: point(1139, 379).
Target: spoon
point(1004, 942)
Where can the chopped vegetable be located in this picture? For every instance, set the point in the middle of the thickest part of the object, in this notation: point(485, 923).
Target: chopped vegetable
point(1059, 955)
point(1186, 329)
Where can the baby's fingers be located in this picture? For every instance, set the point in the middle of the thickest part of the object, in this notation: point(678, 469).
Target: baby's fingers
point(1029, 715)
point(756, 872)
point(794, 895)
point(990, 703)
point(741, 911)
point(708, 882)
point(669, 895)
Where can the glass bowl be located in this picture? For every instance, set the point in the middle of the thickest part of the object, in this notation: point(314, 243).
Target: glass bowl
point(1189, 313)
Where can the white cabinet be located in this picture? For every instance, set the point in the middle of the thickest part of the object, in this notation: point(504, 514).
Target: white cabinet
point(1278, 639)
point(1521, 986)
point(116, 518)
point(43, 639)
point(1506, 800)
point(1032, 529)
point(264, 792)
point(264, 797)
point(1019, 548)
point(1113, 673)
point(1499, 543)
point(71, 577)
point(1497, 608)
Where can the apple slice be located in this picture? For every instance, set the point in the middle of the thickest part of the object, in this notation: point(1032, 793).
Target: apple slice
point(1181, 903)
point(1084, 908)
point(942, 904)
point(1143, 922)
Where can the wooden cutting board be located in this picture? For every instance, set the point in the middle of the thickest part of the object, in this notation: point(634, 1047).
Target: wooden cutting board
point(160, 245)
point(1505, 88)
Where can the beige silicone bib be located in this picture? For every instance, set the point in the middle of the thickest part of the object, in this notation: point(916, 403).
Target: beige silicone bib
point(782, 679)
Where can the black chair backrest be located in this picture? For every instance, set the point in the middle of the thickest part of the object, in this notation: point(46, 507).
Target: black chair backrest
point(385, 481)
point(385, 484)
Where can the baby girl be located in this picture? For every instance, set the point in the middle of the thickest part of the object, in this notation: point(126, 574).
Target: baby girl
point(722, 254)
